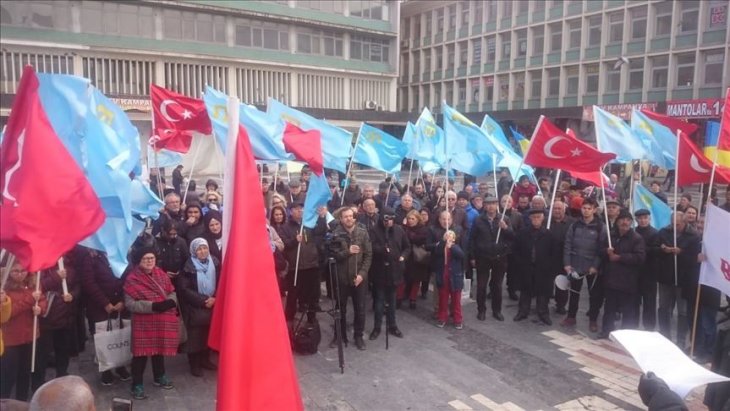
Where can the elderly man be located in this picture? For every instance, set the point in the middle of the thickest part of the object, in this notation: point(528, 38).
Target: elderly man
point(369, 216)
point(613, 207)
point(559, 228)
point(352, 194)
point(405, 206)
point(368, 192)
point(70, 392)
point(295, 195)
point(173, 211)
point(458, 214)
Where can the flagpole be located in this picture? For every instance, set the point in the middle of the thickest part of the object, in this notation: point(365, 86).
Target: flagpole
point(215, 147)
point(276, 177)
point(6, 272)
point(410, 169)
point(552, 198)
point(674, 230)
point(522, 162)
point(494, 176)
point(631, 184)
point(192, 167)
point(605, 212)
point(299, 250)
point(35, 322)
point(390, 187)
point(349, 167)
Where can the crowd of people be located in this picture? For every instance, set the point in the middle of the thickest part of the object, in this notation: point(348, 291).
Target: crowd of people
point(393, 244)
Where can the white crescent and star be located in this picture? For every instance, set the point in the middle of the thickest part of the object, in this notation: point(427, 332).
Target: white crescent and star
point(549, 146)
point(694, 162)
point(186, 114)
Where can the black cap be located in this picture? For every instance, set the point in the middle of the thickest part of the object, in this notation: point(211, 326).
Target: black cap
point(491, 199)
point(296, 204)
point(641, 212)
point(462, 194)
point(624, 214)
point(612, 200)
point(536, 211)
point(387, 211)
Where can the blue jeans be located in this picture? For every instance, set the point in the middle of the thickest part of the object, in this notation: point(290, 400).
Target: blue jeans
point(384, 296)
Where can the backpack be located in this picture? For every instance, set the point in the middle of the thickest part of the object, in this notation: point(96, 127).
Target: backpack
point(305, 337)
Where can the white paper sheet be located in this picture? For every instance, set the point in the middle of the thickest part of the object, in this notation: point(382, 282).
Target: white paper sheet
point(653, 352)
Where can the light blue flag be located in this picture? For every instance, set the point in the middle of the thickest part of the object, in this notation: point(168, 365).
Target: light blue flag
point(379, 150)
point(661, 213)
point(463, 136)
point(657, 138)
point(430, 140)
point(318, 194)
point(111, 114)
point(409, 137)
point(492, 128)
point(265, 133)
point(613, 135)
point(336, 141)
point(476, 164)
point(165, 158)
point(429, 166)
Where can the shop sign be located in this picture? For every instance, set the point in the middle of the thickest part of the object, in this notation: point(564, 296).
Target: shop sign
point(698, 108)
point(620, 110)
point(139, 104)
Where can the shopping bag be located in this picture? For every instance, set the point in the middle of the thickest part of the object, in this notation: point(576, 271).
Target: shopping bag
point(113, 344)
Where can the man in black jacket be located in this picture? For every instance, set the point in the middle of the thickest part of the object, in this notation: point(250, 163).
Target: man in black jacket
point(559, 228)
point(621, 274)
point(534, 248)
point(671, 278)
point(647, 278)
point(489, 256)
point(390, 250)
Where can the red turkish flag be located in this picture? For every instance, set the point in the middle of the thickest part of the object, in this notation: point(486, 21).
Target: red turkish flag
point(723, 139)
point(593, 177)
point(256, 369)
point(305, 145)
point(694, 167)
point(48, 205)
point(671, 123)
point(176, 117)
point(553, 148)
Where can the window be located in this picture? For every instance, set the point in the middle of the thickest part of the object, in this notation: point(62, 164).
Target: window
point(369, 49)
point(326, 43)
point(462, 91)
point(328, 6)
point(685, 69)
point(553, 82)
point(594, 31)
point(638, 23)
point(523, 6)
point(713, 67)
point(613, 78)
point(491, 49)
point(636, 73)
point(407, 28)
point(503, 86)
point(429, 24)
point(368, 9)
point(489, 89)
point(492, 11)
point(556, 37)
point(417, 62)
point(519, 82)
point(663, 19)
point(689, 12)
point(48, 15)
point(131, 20)
point(592, 78)
point(450, 56)
point(506, 46)
point(522, 43)
point(538, 40)
point(439, 58)
point(616, 27)
point(476, 49)
point(535, 84)
point(575, 34)
point(539, 5)
point(189, 26)
point(506, 9)
point(261, 34)
point(659, 71)
point(426, 62)
point(452, 17)
point(417, 27)
point(437, 94)
point(463, 54)
point(439, 21)
point(478, 12)
point(449, 93)
point(573, 79)
point(464, 13)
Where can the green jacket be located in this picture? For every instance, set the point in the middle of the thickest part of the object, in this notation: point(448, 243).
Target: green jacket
point(350, 265)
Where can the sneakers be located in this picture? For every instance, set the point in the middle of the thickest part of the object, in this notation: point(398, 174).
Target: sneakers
point(123, 374)
point(107, 378)
point(441, 324)
point(459, 326)
point(138, 392)
point(163, 382)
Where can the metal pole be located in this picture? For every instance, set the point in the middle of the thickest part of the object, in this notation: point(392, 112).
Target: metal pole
point(552, 199)
point(494, 176)
point(299, 250)
point(349, 168)
point(674, 230)
point(192, 166)
point(35, 323)
point(605, 212)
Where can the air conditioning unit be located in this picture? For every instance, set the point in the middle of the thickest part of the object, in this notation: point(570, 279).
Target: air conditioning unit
point(380, 108)
point(370, 105)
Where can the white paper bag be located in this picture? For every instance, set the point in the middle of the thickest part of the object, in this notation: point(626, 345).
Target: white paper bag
point(113, 344)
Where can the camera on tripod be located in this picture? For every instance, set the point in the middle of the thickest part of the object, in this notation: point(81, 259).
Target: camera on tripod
point(335, 244)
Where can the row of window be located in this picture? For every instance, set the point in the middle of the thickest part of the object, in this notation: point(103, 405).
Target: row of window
point(367, 9)
point(687, 19)
point(138, 21)
point(711, 72)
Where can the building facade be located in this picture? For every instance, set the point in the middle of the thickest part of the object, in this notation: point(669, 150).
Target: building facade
point(515, 59)
point(332, 57)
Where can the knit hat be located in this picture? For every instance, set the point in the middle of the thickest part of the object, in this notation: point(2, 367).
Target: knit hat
point(462, 194)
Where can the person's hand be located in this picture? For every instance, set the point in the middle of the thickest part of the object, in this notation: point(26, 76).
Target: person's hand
point(62, 273)
point(36, 310)
point(502, 225)
point(592, 271)
point(401, 259)
point(299, 238)
point(701, 258)
point(473, 263)
point(568, 269)
point(354, 249)
point(190, 221)
point(449, 242)
point(358, 280)
point(614, 257)
point(36, 295)
point(67, 298)
point(210, 302)
point(109, 308)
point(119, 307)
point(676, 250)
point(666, 249)
point(322, 211)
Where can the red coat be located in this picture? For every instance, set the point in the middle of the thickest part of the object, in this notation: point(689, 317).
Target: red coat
point(519, 191)
point(19, 328)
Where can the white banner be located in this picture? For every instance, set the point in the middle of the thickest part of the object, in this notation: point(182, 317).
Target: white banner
point(715, 271)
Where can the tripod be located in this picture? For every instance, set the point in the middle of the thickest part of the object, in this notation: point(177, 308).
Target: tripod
point(335, 311)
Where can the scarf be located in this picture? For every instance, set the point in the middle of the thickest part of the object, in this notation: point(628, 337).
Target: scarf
point(205, 269)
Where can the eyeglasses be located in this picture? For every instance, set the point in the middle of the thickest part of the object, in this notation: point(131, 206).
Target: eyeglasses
point(148, 259)
point(212, 200)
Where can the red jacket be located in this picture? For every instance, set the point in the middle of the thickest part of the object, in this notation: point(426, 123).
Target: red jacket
point(519, 191)
point(19, 328)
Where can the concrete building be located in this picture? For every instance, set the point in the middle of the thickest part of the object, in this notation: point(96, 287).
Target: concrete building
point(335, 59)
point(516, 59)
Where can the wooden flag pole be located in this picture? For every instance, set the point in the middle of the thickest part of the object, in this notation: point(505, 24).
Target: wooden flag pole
point(552, 198)
point(494, 176)
point(64, 284)
point(35, 323)
point(299, 250)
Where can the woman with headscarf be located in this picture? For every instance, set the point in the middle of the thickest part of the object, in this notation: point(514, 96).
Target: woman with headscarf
point(150, 296)
point(196, 288)
point(416, 272)
point(194, 226)
point(213, 222)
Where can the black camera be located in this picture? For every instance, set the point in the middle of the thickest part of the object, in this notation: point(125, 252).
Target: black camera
point(333, 243)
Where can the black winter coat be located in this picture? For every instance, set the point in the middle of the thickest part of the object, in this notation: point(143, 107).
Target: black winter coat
point(172, 254)
point(98, 283)
point(482, 245)
point(309, 253)
point(417, 236)
point(653, 252)
point(535, 252)
point(689, 243)
point(389, 245)
point(623, 275)
point(192, 305)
